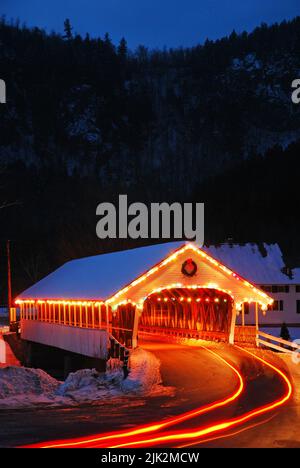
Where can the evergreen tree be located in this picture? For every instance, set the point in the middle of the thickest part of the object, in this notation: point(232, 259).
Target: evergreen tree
point(107, 40)
point(142, 53)
point(108, 45)
point(68, 29)
point(233, 36)
point(284, 333)
point(122, 48)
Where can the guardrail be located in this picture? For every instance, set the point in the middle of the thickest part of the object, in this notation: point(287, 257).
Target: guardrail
point(185, 333)
point(82, 314)
point(119, 351)
point(285, 345)
point(245, 335)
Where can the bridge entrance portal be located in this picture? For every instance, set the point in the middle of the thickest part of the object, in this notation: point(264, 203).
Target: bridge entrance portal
point(194, 312)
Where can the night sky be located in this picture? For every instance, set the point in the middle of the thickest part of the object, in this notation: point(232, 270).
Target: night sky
point(154, 23)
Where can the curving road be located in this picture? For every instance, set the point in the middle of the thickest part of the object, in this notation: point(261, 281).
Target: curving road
point(224, 397)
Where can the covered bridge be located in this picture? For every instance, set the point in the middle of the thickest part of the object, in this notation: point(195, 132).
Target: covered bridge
point(171, 288)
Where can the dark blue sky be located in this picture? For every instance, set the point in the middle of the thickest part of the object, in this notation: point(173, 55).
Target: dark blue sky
point(154, 23)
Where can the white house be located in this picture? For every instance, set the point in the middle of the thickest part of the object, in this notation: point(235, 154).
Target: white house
point(264, 266)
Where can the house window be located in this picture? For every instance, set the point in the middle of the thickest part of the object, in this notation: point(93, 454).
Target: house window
point(277, 305)
point(280, 289)
point(246, 308)
point(298, 288)
point(275, 288)
point(283, 289)
point(298, 306)
point(266, 288)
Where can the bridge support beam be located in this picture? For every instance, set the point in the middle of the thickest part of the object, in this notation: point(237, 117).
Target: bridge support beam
point(256, 323)
point(232, 325)
point(135, 327)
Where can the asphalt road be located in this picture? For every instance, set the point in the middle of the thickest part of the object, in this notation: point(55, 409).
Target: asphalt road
point(199, 378)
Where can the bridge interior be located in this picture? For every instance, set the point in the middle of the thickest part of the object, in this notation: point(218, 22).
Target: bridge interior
point(204, 312)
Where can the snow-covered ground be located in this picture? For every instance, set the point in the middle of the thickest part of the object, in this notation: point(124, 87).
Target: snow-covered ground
point(293, 364)
point(25, 387)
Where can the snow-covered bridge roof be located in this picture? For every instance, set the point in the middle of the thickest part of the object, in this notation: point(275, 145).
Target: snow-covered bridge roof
point(100, 276)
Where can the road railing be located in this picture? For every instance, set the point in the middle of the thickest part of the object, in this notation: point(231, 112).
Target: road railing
point(118, 351)
point(279, 344)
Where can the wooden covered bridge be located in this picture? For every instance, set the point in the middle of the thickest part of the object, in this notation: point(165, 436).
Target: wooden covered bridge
point(166, 289)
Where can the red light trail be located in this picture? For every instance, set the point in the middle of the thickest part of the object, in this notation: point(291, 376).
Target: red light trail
point(230, 434)
point(135, 436)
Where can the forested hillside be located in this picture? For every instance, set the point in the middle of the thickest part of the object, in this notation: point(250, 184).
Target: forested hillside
point(86, 120)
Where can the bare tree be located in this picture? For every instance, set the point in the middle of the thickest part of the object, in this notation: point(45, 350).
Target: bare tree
point(6, 203)
point(32, 265)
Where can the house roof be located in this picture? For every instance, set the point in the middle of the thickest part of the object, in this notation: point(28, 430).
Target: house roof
point(296, 275)
point(101, 276)
point(260, 265)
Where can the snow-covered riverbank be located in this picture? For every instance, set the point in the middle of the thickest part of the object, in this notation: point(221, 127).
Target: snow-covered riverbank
point(24, 387)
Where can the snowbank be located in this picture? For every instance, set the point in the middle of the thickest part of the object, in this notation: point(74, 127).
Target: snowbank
point(145, 375)
point(89, 385)
point(293, 364)
point(19, 386)
point(23, 387)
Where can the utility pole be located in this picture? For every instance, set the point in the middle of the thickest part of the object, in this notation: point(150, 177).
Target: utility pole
point(9, 298)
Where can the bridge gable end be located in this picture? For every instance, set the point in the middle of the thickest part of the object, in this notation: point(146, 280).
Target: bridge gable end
point(188, 267)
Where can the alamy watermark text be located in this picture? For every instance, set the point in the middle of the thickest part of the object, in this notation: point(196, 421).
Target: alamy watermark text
point(161, 221)
point(2, 92)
